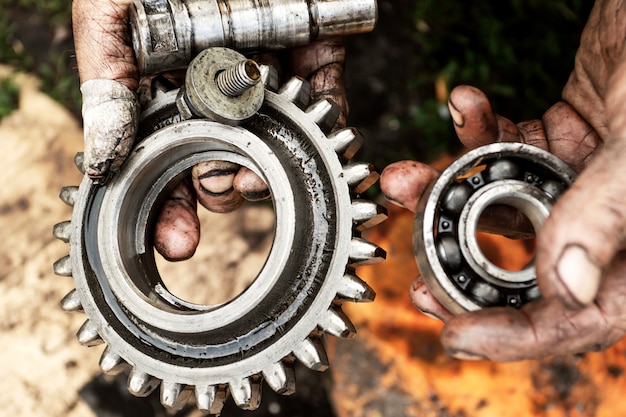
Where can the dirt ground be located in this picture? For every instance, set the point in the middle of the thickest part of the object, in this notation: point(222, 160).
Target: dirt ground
point(43, 368)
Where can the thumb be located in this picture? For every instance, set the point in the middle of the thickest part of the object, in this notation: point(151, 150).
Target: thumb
point(585, 229)
point(109, 78)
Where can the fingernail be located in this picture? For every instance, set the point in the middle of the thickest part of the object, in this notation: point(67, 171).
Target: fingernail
point(217, 182)
point(257, 195)
point(579, 274)
point(456, 115)
point(429, 314)
point(465, 355)
point(393, 200)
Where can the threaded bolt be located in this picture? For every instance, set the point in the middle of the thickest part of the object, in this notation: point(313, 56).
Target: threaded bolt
point(234, 81)
point(222, 85)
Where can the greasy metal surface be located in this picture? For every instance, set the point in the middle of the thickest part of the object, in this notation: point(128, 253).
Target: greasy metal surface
point(449, 257)
point(168, 34)
point(216, 89)
point(212, 350)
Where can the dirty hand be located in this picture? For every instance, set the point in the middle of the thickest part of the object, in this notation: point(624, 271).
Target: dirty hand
point(222, 186)
point(109, 78)
point(580, 262)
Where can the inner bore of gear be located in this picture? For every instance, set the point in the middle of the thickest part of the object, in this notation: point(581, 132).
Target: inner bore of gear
point(283, 315)
point(452, 264)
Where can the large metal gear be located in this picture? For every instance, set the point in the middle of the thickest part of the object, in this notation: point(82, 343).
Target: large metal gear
point(211, 351)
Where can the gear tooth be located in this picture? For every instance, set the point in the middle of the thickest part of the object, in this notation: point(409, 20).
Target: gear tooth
point(88, 334)
point(269, 77)
point(281, 378)
point(68, 195)
point(367, 214)
point(141, 384)
point(353, 288)
point(210, 398)
point(363, 252)
point(111, 363)
point(360, 176)
point(324, 113)
point(247, 392)
point(63, 266)
point(336, 323)
point(347, 142)
point(174, 395)
point(297, 90)
point(71, 302)
point(62, 231)
point(79, 161)
point(312, 354)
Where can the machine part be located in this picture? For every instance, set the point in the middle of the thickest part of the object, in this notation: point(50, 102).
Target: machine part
point(168, 34)
point(449, 258)
point(223, 86)
point(212, 350)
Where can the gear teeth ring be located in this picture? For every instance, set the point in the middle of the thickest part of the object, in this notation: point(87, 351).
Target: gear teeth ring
point(297, 297)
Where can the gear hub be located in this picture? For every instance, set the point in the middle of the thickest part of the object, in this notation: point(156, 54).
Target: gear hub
point(213, 351)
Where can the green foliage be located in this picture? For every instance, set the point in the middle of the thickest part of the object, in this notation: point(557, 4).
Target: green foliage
point(520, 52)
point(56, 11)
point(9, 96)
point(54, 69)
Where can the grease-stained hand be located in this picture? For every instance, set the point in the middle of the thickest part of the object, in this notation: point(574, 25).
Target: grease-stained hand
point(109, 81)
point(580, 260)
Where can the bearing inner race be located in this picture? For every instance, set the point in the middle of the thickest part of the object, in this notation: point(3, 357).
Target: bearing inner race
point(520, 195)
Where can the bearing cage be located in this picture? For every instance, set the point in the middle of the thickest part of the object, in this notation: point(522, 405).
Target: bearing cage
point(449, 259)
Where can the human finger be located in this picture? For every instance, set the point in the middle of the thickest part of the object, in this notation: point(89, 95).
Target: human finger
point(474, 120)
point(403, 183)
point(541, 328)
point(250, 185)
point(213, 182)
point(322, 64)
point(109, 78)
point(570, 137)
point(426, 302)
point(587, 226)
point(177, 230)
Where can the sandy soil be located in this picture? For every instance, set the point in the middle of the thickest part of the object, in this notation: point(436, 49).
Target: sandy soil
point(43, 366)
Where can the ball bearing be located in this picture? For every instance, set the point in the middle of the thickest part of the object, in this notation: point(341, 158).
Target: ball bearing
point(522, 177)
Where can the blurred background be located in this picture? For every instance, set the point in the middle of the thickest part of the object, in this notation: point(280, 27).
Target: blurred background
point(520, 52)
